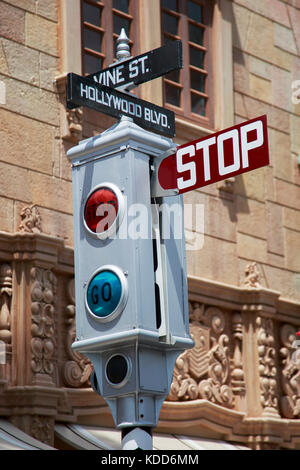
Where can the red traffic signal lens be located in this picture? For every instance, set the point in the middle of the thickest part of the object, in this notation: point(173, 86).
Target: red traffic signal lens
point(101, 210)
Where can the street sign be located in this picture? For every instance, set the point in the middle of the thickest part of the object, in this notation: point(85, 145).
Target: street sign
point(82, 91)
point(142, 68)
point(227, 153)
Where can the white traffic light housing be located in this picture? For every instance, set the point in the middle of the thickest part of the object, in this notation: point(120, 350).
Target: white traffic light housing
point(130, 283)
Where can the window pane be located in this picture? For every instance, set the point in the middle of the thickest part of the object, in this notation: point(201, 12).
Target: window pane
point(198, 81)
point(196, 57)
point(168, 39)
point(92, 39)
point(91, 64)
point(198, 104)
point(170, 23)
point(120, 23)
point(196, 34)
point(172, 94)
point(122, 5)
point(170, 4)
point(91, 14)
point(195, 11)
point(174, 76)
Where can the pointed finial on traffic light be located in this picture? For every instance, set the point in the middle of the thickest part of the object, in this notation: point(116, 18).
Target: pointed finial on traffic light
point(123, 49)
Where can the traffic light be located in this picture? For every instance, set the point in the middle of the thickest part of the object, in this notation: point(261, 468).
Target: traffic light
point(130, 283)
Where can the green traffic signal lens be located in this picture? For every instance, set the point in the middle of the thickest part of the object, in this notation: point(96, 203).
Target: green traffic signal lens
point(104, 293)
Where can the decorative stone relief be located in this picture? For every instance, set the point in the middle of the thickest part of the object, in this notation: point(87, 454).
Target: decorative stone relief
point(42, 429)
point(30, 220)
point(203, 371)
point(43, 292)
point(290, 377)
point(74, 120)
point(5, 301)
point(252, 276)
point(237, 374)
point(266, 366)
point(78, 368)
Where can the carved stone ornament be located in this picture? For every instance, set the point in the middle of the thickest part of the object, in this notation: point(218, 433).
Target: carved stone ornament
point(290, 377)
point(5, 301)
point(77, 370)
point(266, 366)
point(203, 371)
point(252, 276)
point(237, 374)
point(74, 119)
point(30, 220)
point(42, 429)
point(43, 292)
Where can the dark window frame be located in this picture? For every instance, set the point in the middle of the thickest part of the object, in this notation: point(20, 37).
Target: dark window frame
point(184, 110)
point(107, 54)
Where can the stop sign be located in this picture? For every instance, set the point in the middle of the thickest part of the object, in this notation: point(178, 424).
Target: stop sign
point(227, 153)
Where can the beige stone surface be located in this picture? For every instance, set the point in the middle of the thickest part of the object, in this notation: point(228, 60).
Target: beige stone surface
point(251, 248)
point(284, 38)
point(14, 182)
point(275, 231)
point(292, 240)
point(295, 23)
point(251, 217)
point(278, 11)
point(287, 194)
point(282, 58)
point(12, 23)
point(240, 74)
point(240, 25)
point(251, 184)
point(6, 214)
point(280, 150)
point(26, 142)
point(48, 71)
point(27, 5)
point(56, 196)
point(260, 88)
point(295, 134)
point(219, 214)
point(48, 9)
point(21, 62)
point(41, 34)
point(291, 218)
point(216, 260)
point(281, 86)
point(260, 36)
point(276, 117)
point(31, 101)
point(239, 105)
point(260, 67)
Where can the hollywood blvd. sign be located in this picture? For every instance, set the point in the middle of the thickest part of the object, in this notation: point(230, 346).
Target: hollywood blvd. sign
point(227, 153)
point(83, 91)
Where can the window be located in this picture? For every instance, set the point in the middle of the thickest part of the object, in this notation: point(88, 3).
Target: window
point(101, 24)
point(187, 91)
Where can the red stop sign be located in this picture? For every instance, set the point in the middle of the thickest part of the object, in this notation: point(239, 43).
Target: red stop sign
point(101, 210)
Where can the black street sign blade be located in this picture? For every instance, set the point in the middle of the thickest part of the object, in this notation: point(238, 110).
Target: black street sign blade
point(142, 68)
point(82, 91)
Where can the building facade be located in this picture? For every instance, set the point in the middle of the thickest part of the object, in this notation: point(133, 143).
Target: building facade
point(241, 59)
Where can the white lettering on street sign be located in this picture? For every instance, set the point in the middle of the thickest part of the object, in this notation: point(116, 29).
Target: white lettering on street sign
point(227, 153)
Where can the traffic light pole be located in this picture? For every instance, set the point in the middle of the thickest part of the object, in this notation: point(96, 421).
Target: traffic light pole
point(137, 438)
